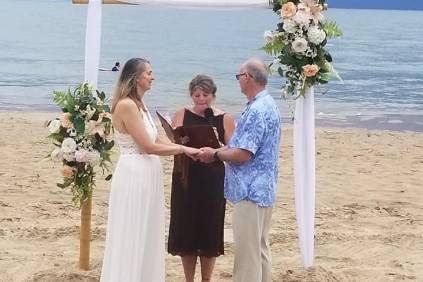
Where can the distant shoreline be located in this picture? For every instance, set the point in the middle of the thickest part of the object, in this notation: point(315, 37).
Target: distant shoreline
point(391, 122)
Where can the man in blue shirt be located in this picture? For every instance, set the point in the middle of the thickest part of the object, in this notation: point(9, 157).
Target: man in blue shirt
point(251, 171)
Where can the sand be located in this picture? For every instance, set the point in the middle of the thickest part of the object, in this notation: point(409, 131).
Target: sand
point(369, 210)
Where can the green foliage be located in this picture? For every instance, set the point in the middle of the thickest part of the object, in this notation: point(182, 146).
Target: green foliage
point(332, 29)
point(87, 124)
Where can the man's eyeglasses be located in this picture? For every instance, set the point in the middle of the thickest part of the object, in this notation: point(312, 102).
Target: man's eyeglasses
point(237, 76)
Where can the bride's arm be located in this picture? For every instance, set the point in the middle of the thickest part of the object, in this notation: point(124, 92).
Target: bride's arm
point(135, 126)
point(165, 141)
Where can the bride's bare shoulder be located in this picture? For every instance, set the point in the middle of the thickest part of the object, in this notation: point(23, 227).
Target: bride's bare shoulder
point(124, 105)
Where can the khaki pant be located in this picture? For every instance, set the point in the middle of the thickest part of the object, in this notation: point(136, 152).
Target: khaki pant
point(251, 225)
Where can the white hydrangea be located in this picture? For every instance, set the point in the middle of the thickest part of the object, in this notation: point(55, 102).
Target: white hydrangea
point(290, 26)
point(68, 146)
point(70, 157)
point(54, 126)
point(82, 156)
point(299, 45)
point(316, 35)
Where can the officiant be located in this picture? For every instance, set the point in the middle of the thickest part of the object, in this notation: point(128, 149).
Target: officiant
point(197, 200)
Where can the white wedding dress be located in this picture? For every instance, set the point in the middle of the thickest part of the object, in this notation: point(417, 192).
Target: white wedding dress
point(135, 240)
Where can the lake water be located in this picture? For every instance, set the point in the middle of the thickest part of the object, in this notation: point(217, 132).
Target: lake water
point(380, 57)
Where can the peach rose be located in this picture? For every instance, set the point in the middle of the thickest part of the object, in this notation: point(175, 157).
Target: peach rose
point(288, 10)
point(67, 172)
point(310, 70)
point(66, 121)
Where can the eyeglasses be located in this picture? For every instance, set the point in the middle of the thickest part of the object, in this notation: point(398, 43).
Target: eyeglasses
point(237, 76)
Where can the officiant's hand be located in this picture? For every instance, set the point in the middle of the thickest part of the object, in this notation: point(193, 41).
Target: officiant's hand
point(191, 152)
point(206, 154)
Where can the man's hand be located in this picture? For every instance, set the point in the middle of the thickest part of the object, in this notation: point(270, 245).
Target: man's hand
point(206, 154)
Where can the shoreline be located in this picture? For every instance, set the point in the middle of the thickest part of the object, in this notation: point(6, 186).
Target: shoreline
point(378, 122)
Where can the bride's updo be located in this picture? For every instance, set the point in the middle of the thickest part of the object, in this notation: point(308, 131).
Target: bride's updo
point(127, 83)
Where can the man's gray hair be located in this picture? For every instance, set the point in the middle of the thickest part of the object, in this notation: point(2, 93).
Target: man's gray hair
point(258, 70)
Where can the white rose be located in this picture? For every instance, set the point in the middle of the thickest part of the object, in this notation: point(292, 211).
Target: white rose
point(289, 26)
point(82, 156)
point(68, 146)
point(302, 18)
point(54, 126)
point(268, 36)
point(316, 35)
point(94, 158)
point(299, 45)
point(57, 155)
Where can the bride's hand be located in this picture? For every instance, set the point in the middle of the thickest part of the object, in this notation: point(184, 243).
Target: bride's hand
point(190, 152)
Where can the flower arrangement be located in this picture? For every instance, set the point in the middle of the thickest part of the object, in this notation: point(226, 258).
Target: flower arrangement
point(298, 45)
point(83, 139)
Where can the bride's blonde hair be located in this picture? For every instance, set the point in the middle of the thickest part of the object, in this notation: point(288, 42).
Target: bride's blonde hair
point(127, 83)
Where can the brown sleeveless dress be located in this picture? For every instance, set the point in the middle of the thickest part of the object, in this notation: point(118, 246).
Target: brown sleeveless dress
point(197, 210)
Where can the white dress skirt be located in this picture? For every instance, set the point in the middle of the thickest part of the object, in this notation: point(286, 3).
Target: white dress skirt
point(135, 240)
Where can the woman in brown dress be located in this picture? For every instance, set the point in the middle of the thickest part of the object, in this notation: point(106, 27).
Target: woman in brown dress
point(197, 203)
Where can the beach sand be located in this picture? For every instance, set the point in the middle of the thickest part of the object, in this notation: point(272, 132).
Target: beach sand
point(369, 210)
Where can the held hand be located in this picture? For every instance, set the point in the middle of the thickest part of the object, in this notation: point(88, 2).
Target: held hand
point(206, 154)
point(191, 152)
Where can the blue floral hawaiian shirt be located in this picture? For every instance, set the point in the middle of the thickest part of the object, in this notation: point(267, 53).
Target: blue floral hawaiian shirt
point(258, 131)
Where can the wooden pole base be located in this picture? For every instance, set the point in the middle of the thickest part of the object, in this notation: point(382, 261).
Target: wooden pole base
point(85, 235)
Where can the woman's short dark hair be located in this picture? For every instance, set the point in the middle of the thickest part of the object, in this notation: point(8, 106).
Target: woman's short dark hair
point(203, 82)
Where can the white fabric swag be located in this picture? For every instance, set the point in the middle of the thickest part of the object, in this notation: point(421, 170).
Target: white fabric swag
point(304, 144)
point(203, 3)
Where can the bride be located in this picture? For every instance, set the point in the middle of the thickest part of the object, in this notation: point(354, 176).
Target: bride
point(135, 246)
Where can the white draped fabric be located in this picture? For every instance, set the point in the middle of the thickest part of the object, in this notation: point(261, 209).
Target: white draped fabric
point(304, 173)
point(92, 42)
point(304, 146)
point(203, 3)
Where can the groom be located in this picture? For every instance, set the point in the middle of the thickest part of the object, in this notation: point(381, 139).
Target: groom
point(251, 172)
